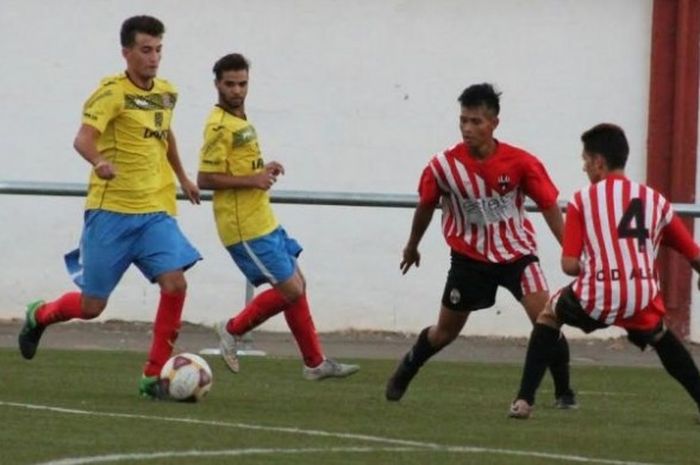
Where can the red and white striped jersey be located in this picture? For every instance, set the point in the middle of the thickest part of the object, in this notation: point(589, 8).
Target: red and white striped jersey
point(483, 214)
point(615, 227)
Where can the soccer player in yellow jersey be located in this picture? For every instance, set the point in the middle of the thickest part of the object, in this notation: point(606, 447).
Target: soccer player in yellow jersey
point(231, 164)
point(126, 136)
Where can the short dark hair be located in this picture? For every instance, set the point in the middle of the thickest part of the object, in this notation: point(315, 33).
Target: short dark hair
point(481, 94)
point(609, 141)
point(230, 62)
point(144, 24)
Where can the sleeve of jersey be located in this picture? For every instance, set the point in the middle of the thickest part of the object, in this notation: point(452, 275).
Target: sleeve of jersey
point(573, 233)
point(676, 236)
point(538, 185)
point(212, 157)
point(102, 107)
point(428, 190)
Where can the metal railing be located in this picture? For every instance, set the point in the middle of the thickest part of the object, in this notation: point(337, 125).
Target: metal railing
point(352, 199)
point(65, 189)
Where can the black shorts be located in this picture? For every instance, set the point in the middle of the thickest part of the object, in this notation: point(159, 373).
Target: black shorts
point(472, 284)
point(569, 311)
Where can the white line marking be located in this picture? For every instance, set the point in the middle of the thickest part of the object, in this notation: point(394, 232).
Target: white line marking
point(599, 393)
point(407, 445)
point(192, 421)
point(220, 453)
point(334, 450)
point(608, 393)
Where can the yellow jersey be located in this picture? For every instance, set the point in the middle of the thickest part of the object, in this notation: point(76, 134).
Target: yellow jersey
point(231, 147)
point(133, 125)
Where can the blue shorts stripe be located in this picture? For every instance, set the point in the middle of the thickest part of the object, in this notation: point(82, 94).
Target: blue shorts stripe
point(261, 266)
point(267, 259)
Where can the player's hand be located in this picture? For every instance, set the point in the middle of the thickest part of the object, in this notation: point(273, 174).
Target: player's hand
point(411, 256)
point(264, 179)
point(275, 168)
point(191, 191)
point(105, 170)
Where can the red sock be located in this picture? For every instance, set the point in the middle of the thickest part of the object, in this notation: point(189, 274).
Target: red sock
point(64, 308)
point(262, 307)
point(302, 326)
point(165, 331)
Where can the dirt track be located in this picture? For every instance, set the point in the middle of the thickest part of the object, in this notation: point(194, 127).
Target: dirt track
point(120, 335)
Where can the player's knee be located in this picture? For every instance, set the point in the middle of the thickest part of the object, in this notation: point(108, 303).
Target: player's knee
point(293, 288)
point(440, 337)
point(535, 304)
point(173, 284)
point(293, 293)
point(178, 287)
point(92, 307)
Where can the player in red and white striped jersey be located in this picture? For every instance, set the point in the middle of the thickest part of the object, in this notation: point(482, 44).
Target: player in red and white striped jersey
point(611, 240)
point(482, 184)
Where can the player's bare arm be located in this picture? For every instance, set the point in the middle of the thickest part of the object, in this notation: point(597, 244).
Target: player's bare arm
point(571, 266)
point(677, 237)
point(220, 181)
point(555, 221)
point(188, 187)
point(85, 144)
point(421, 220)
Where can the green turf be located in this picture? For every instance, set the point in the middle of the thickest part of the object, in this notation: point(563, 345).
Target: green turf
point(454, 413)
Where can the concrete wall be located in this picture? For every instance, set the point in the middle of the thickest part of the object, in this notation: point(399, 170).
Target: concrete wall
point(350, 96)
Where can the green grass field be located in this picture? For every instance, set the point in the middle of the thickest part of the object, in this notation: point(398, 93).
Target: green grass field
point(79, 407)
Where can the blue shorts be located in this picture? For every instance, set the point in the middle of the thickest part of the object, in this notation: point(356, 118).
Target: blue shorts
point(267, 259)
point(112, 241)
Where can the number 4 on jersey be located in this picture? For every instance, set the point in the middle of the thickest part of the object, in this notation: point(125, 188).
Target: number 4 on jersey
point(635, 211)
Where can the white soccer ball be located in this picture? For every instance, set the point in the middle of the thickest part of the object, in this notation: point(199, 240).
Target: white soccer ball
point(187, 377)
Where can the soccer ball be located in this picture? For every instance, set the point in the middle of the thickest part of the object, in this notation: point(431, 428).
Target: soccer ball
point(186, 377)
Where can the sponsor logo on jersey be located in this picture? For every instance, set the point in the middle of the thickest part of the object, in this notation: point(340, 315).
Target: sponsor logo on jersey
point(486, 210)
point(165, 101)
point(244, 136)
point(160, 134)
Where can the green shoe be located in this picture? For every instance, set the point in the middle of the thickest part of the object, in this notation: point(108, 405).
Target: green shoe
point(31, 331)
point(152, 387)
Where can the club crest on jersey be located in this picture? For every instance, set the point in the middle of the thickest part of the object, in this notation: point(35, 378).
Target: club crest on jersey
point(167, 103)
point(503, 182)
point(455, 296)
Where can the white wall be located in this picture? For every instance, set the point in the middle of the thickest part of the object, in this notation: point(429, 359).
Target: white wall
point(350, 96)
point(695, 296)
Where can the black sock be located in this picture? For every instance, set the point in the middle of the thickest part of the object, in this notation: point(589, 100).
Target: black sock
point(421, 351)
point(540, 351)
point(679, 364)
point(560, 368)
